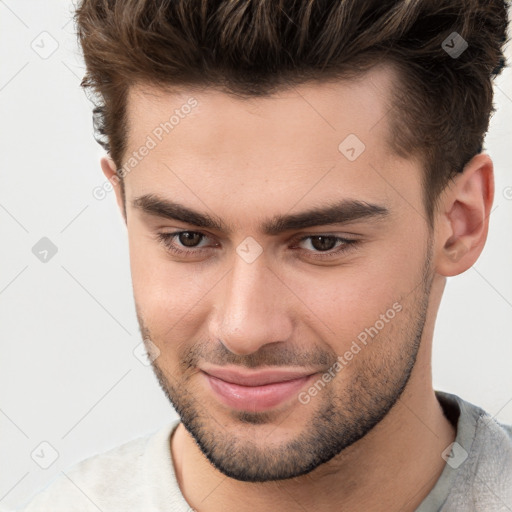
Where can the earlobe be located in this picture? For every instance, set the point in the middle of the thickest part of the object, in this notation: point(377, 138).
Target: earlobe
point(463, 219)
point(109, 170)
point(108, 167)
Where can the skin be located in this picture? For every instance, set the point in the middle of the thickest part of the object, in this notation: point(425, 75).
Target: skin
point(246, 161)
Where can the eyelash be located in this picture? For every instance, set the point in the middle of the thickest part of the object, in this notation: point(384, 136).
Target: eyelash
point(347, 244)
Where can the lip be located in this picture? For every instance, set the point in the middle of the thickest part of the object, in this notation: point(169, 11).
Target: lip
point(255, 378)
point(255, 391)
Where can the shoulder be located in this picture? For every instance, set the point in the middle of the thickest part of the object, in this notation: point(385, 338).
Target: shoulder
point(484, 479)
point(98, 481)
point(493, 444)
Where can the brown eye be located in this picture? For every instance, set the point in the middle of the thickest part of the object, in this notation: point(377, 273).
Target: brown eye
point(323, 243)
point(182, 242)
point(189, 238)
point(323, 247)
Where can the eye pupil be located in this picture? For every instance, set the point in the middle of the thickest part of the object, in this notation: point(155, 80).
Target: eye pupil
point(323, 246)
point(187, 238)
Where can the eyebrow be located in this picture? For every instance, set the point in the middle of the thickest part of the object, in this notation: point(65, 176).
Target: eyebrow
point(340, 212)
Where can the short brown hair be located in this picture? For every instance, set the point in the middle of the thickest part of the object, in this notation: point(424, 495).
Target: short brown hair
point(252, 48)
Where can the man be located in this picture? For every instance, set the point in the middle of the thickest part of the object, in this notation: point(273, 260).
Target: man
point(297, 181)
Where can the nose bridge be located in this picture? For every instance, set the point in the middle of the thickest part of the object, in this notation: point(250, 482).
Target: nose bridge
point(252, 312)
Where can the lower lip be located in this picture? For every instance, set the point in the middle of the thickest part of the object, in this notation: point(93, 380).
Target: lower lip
point(255, 398)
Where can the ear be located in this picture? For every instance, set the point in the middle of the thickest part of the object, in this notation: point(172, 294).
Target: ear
point(462, 217)
point(109, 170)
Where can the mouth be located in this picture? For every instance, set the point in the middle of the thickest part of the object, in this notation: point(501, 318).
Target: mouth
point(255, 391)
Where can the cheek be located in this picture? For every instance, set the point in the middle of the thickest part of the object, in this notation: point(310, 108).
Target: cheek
point(168, 294)
point(343, 301)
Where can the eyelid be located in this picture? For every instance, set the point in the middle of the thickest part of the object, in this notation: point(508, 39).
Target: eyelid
point(173, 235)
point(294, 239)
point(343, 236)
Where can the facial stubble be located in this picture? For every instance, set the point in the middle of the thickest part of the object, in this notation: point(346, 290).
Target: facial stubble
point(343, 416)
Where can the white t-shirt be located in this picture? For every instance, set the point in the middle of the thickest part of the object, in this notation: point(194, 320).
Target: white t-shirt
point(139, 475)
point(136, 476)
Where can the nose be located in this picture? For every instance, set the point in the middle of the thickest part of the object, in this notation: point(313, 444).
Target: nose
point(252, 309)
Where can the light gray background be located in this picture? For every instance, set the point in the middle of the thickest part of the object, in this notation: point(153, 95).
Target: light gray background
point(68, 374)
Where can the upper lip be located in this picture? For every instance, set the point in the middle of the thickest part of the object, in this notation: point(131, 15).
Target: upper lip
point(258, 378)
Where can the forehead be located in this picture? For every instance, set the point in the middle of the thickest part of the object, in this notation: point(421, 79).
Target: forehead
point(208, 119)
point(313, 143)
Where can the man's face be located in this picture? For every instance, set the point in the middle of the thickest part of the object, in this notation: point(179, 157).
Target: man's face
point(280, 343)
